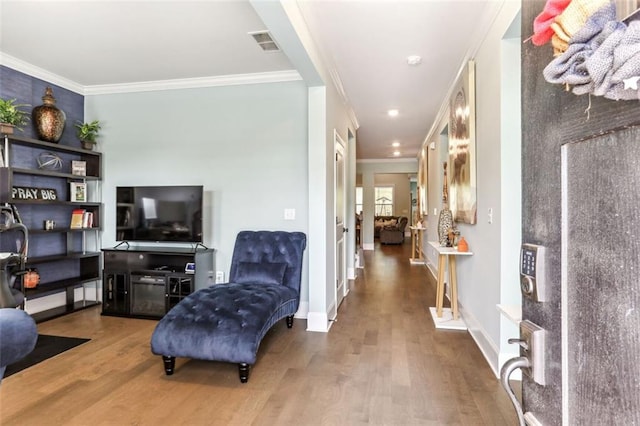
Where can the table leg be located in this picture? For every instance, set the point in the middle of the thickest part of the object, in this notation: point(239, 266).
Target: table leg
point(413, 243)
point(440, 285)
point(453, 282)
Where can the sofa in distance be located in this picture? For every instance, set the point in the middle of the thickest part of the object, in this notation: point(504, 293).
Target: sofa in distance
point(226, 322)
point(391, 229)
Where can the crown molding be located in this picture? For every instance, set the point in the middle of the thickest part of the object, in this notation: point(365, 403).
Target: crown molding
point(194, 83)
point(147, 86)
point(37, 72)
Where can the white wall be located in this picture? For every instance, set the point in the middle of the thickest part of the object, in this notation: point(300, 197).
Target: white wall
point(246, 144)
point(328, 111)
point(483, 277)
point(511, 185)
point(338, 120)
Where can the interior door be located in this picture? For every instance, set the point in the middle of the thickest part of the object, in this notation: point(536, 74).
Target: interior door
point(340, 205)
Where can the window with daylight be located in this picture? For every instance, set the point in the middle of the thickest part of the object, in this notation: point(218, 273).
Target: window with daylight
point(384, 200)
point(358, 200)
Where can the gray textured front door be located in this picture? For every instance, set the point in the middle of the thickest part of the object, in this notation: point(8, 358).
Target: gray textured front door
point(581, 199)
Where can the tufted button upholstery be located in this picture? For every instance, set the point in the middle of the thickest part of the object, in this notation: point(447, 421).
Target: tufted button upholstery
point(271, 247)
point(223, 322)
point(226, 322)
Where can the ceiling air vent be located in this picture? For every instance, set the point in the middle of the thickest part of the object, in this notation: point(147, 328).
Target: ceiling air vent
point(264, 40)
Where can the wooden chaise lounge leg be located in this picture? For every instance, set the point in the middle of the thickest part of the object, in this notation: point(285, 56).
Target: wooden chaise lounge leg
point(290, 321)
point(243, 369)
point(169, 364)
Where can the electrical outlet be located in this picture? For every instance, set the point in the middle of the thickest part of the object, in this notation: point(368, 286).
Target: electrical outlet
point(219, 277)
point(289, 214)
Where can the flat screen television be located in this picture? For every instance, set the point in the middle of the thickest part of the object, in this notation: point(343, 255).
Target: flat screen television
point(159, 213)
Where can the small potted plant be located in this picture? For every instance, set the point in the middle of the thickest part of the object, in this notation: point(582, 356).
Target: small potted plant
point(87, 133)
point(11, 116)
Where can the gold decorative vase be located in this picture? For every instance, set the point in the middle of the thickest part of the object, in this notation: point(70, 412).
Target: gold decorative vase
point(48, 118)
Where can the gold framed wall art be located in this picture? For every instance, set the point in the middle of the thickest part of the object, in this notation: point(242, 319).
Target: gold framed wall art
point(462, 148)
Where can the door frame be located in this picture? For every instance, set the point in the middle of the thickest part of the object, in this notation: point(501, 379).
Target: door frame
point(340, 267)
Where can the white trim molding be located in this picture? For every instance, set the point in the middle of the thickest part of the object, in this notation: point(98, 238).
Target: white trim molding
point(318, 321)
point(148, 86)
point(37, 72)
point(194, 83)
point(484, 342)
point(351, 274)
point(303, 310)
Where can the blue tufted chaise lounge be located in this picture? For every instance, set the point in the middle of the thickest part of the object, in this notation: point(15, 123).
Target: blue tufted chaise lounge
point(226, 322)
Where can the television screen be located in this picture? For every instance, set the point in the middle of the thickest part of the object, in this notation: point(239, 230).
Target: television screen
point(159, 213)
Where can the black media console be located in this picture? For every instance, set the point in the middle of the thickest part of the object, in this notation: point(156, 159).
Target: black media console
point(145, 282)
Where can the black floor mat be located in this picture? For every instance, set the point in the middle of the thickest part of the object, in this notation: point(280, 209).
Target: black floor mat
point(46, 347)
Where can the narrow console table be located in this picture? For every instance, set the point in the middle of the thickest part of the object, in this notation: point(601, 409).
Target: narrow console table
point(416, 244)
point(445, 317)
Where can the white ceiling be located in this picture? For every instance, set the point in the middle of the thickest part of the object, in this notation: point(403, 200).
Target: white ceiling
point(95, 43)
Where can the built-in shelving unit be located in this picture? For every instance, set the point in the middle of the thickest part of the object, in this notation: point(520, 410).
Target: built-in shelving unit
point(61, 255)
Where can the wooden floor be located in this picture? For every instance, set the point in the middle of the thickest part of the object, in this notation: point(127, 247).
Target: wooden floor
point(382, 363)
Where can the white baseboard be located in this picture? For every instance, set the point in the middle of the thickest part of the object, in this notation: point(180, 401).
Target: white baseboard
point(332, 311)
point(360, 259)
point(485, 344)
point(303, 311)
point(351, 274)
point(489, 350)
point(368, 246)
point(432, 268)
point(318, 321)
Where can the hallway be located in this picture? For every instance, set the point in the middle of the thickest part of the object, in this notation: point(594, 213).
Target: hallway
point(420, 375)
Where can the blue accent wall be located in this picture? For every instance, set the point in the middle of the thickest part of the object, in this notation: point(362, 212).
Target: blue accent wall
point(30, 90)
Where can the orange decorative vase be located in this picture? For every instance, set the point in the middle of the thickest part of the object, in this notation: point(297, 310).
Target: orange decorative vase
point(31, 279)
point(462, 245)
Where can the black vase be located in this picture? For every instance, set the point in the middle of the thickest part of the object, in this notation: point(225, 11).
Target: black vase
point(48, 119)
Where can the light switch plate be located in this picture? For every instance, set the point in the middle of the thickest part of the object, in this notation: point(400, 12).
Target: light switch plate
point(289, 214)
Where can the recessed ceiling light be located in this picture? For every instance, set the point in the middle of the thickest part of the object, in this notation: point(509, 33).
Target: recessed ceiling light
point(393, 112)
point(414, 60)
point(395, 144)
point(396, 153)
